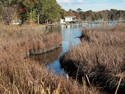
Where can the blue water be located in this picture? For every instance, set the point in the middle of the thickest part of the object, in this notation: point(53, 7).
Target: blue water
point(70, 36)
point(94, 25)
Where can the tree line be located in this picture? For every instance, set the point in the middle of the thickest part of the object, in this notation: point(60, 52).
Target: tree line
point(105, 15)
point(38, 11)
point(49, 11)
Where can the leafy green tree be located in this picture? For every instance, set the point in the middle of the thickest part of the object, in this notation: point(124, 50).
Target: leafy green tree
point(0, 10)
point(50, 11)
point(38, 6)
point(42, 11)
point(8, 3)
point(31, 12)
point(63, 13)
point(79, 10)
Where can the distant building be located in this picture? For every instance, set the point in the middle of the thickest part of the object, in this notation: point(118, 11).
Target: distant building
point(12, 22)
point(62, 21)
point(16, 22)
point(67, 19)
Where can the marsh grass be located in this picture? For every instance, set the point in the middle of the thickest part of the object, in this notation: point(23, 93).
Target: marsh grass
point(105, 27)
point(101, 56)
point(25, 76)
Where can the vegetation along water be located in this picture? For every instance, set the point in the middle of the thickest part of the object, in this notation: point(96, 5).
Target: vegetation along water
point(62, 47)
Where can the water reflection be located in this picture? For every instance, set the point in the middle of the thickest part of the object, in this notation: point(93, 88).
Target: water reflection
point(48, 58)
point(70, 34)
point(70, 37)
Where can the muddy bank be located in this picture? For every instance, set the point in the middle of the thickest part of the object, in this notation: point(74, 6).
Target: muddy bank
point(100, 56)
point(41, 52)
point(47, 58)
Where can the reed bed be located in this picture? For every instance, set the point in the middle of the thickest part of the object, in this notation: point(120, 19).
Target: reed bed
point(23, 39)
point(105, 27)
point(103, 38)
point(25, 76)
point(100, 56)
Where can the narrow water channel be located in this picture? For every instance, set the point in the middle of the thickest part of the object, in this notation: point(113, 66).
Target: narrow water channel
point(70, 36)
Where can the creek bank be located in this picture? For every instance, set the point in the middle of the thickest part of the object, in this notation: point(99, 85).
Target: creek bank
point(41, 52)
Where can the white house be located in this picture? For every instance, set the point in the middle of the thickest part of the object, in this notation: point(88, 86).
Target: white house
point(67, 19)
point(62, 21)
point(16, 22)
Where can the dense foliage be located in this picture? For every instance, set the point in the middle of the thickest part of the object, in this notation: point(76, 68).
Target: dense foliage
point(107, 15)
point(40, 11)
point(49, 11)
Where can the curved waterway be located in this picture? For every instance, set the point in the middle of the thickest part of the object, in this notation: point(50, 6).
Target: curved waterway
point(70, 36)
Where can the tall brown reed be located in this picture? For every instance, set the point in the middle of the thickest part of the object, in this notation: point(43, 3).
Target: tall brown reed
point(101, 56)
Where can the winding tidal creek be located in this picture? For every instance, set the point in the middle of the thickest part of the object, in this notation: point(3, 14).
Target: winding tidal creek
point(70, 37)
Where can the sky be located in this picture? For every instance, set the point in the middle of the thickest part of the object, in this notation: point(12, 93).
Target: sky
point(95, 5)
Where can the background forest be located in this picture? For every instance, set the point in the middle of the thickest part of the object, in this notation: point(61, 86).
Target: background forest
point(49, 11)
point(40, 11)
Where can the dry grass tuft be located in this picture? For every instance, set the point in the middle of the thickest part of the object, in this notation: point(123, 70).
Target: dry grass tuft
point(25, 76)
point(101, 56)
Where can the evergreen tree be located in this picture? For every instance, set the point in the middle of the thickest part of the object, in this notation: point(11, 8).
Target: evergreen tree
point(50, 11)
